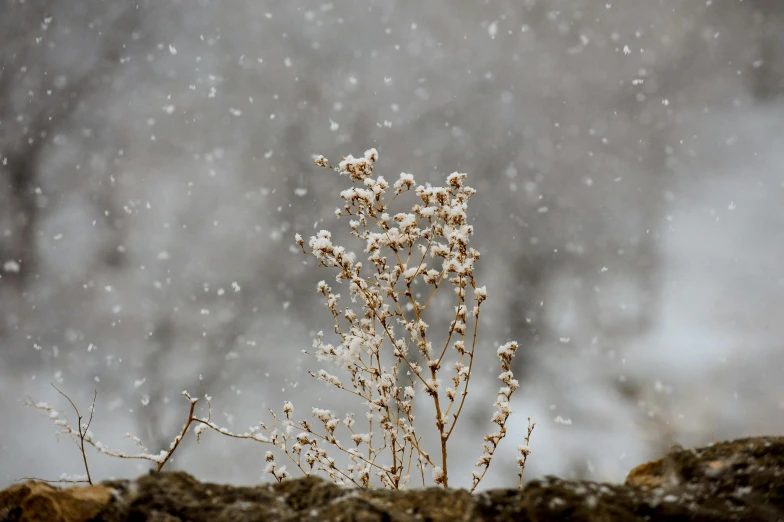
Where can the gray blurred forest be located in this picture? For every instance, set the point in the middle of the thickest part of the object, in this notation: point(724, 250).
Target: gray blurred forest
point(156, 161)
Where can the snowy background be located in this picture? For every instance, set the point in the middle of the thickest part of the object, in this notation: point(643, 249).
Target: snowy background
point(155, 163)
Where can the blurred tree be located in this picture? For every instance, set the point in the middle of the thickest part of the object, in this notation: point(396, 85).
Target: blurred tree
point(55, 56)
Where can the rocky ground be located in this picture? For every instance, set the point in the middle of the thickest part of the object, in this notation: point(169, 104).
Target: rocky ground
point(737, 480)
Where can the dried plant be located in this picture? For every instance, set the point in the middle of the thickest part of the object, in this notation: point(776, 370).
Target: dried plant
point(83, 436)
point(383, 346)
point(382, 340)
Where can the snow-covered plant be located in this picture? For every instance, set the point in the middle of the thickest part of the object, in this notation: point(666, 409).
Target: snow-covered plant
point(382, 341)
point(382, 344)
point(82, 436)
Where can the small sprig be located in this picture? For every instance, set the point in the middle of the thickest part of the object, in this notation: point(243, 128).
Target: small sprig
point(502, 411)
point(84, 436)
point(79, 436)
point(524, 450)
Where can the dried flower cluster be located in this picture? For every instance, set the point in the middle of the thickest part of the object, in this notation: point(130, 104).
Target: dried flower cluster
point(383, 346)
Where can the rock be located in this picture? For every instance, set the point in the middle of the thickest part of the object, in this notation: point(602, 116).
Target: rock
point(739, 480)
point(38, 501)
point(744, 477)
point(180, 495)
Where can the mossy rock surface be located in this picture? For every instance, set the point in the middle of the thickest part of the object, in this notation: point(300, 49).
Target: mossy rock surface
point(737, 480)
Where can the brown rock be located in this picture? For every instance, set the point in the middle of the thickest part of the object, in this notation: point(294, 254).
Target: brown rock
point(38, 501)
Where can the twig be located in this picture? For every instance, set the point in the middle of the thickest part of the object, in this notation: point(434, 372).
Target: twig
point(179, 438)
point(82, 431)
point(85, 437)
point(524, 451)
point(66, 479)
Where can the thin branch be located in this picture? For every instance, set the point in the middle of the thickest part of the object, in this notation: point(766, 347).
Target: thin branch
point(82, 429)
point(524, 451)
point(66, 479)
point(179, 438)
